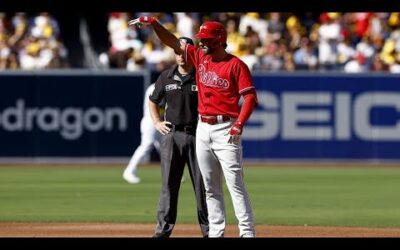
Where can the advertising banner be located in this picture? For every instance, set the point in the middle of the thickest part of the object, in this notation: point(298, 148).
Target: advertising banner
point(71, 114)
point(320, 116)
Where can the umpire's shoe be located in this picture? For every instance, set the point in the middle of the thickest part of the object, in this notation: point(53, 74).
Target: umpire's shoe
point(161, 235)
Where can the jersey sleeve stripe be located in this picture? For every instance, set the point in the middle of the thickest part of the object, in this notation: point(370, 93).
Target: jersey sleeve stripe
point(245, 89)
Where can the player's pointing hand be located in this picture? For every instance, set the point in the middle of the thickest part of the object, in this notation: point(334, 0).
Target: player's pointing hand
point(142, 20)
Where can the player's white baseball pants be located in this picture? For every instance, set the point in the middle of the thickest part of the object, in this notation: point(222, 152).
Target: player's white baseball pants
point(217, 158)
point(149, 139)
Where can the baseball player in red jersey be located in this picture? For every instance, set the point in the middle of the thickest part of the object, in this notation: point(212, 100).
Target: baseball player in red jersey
point(222, 80)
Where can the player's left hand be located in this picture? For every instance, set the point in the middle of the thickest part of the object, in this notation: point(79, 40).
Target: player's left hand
point(235, 132)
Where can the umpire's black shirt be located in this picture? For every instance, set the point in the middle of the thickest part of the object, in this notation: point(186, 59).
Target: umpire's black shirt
point(180, 93)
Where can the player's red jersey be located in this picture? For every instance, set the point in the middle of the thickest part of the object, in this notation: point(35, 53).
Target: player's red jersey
point(220, 84)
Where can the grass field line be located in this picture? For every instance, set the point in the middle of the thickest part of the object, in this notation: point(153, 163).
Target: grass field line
point(122, 161)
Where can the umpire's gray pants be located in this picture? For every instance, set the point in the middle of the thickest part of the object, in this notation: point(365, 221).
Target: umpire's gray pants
point(177, 149)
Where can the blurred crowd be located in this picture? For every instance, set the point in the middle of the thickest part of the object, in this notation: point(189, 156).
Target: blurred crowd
point(349, 42)
point(332, 41)
point(31, 42)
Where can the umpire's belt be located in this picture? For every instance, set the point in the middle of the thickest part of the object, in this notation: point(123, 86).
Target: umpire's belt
point(188, 129)
point(214, 119)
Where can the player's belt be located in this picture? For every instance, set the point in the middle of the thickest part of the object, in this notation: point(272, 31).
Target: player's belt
point(214, 119)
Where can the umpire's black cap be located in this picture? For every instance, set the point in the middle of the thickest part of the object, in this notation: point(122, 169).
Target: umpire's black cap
point(187, 40)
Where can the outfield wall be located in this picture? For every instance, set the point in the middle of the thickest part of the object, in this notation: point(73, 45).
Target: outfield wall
point(75, 113)
point(325, 116)
point(96, 115)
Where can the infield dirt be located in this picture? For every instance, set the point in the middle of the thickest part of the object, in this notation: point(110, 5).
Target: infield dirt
point(34, 229)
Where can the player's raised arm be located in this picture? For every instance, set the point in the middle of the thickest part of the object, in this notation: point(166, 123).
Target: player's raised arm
point(163, 34)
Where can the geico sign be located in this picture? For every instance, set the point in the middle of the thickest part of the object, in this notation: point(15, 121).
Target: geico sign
point(70, 122)
point(323, 116)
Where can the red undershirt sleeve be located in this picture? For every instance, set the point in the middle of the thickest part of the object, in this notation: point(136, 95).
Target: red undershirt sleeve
point(249, 103)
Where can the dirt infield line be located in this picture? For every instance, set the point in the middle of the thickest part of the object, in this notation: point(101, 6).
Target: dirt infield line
point(35, 229)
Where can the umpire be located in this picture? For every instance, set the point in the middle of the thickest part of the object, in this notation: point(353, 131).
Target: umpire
point(177, 87)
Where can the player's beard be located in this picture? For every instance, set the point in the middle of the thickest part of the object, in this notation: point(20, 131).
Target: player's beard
point(208, 50)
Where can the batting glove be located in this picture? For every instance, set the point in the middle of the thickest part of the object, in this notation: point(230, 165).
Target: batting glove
point(142, 20)
point(235, 132)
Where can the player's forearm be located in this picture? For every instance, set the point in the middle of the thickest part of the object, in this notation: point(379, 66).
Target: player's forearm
point(249, 104)
point(166, 36)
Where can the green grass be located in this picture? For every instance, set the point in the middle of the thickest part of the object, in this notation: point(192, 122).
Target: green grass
point(325, 196)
